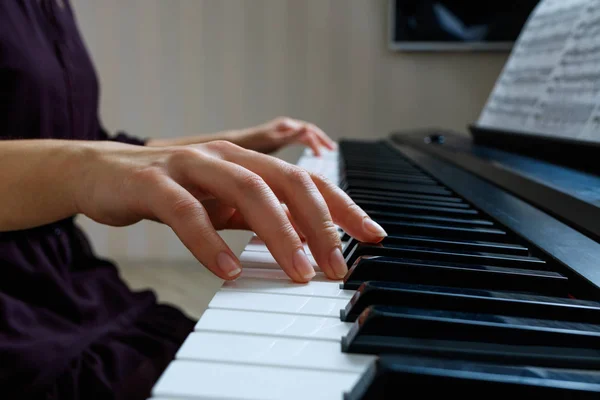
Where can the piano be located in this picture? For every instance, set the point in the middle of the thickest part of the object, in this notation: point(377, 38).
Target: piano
point(489, 280)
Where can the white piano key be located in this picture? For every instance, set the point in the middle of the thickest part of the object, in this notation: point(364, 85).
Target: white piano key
point(271, 350)
point(269, 273)
point(289, 287)
point(301, 305)
point(212, 380)
point(256, 244)
point(282, 325)
point(258, 259)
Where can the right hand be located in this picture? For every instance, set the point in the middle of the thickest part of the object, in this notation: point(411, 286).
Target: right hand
point(199, 189)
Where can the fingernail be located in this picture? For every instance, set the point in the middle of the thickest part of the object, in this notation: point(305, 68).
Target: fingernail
point(228, 264)
point(374, 227)
point(302, 265)
point(337, 262)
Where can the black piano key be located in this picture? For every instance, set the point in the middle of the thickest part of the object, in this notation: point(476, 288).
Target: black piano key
point(380, 165)
point(391, 375)
point(474, 336)
point(455, 275)
point(382, 171)
point(429, 242)
point(379, 194)
point(408, 201)
point(416, 209)
point(470, 300)
point(444, 231)
point(396, 188)
point(454, 256)
point(387, 177)
point(384, 216)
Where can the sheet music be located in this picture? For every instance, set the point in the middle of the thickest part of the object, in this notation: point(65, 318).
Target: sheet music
point(550, 84)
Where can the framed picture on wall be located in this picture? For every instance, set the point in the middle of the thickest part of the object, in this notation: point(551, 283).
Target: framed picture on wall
point(456, 25)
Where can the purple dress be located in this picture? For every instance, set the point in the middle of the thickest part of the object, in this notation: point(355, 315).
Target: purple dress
point(70, 328)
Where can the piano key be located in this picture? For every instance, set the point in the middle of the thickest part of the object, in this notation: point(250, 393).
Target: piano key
point(381, 170)
point(386, 216)
point(397, 188)
point(528, 354)
point(381, 165)
point(467, 245)
point(214, 380)
point(379, 328)
point(387, 176)
point(454, 256)
point(266, 323)
point(374, 205)
point(455, 275)
point(444, 231)
point(390, 375)
point(271, 351)
point(288, 287)
point(259, 259)
point(381, 195)
point(402, 200)
point(265, 302)
point(256, 244)
point(470, 300)
point(391, 178)
point(275, 274)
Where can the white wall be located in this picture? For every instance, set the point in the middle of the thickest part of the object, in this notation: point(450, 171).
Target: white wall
point(176, 67)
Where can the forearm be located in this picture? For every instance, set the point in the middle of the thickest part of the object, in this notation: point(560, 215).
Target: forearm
point(232, 136)
point(38, 180)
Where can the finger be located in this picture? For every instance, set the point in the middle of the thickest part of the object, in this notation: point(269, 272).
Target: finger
point(310, 140)
point(347, 214)
point(247, 192)
point(322, 137)
point(221, 215)
point(293, 222)
point(225, 217)
point(176, 207)
point(296, 189)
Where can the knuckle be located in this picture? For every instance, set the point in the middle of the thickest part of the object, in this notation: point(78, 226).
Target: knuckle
point(299, 177)
point(221, 146)
point(185, 208)
point(250, 183)
point(181, 155)
point(330, 232)
point(320, 178)
point(151, 175)
point(285, 232)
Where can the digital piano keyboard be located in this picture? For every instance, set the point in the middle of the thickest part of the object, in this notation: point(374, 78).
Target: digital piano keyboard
point(482, 287)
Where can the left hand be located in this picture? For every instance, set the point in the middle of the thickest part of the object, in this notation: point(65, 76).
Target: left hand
point(279, 132)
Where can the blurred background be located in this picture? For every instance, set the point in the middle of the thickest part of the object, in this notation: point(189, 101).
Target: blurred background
point(176, 67)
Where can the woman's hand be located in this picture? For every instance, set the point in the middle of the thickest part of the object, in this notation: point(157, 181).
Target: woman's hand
point(265, 138)
point(281, 132)
point(199, 189)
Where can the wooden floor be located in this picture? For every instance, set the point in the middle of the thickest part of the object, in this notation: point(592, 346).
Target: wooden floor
point(186, 284)
point(189, 286)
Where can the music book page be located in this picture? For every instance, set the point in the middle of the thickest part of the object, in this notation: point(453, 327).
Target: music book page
point(550, 84)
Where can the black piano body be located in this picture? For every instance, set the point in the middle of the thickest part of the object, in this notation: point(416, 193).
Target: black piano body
point(514, 222)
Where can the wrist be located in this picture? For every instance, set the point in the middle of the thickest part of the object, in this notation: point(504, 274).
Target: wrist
point(77, 161)
point(245, 137)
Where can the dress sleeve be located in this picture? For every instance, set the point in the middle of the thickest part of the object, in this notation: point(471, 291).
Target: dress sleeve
point(120, 136)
